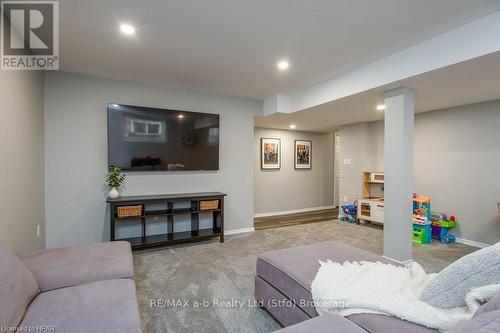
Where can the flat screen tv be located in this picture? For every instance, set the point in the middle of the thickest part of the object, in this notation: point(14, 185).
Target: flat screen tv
point(148, 139)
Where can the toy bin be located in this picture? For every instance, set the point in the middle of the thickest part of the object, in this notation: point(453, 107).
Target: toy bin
point(350, 213)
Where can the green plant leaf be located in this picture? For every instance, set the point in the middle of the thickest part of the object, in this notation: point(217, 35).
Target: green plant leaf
point(114, 177)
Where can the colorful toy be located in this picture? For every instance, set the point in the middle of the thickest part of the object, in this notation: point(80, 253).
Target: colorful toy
point(427, 225)
point(441, 227)
point(421, 209)
point(438, 216)
point(350, 212)
point(422, 232)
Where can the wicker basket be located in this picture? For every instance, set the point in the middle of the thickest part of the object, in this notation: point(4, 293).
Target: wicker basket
point(129, 211)
point(209, 204)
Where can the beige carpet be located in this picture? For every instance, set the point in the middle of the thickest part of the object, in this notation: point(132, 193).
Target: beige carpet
point(167, 278)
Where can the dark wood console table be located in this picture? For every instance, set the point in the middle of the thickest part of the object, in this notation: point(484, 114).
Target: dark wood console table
point(197, 202)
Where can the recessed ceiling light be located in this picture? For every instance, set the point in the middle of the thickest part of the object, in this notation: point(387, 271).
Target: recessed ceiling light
point(127, 29)
point(381, 107)
point(180, 116)
point(283, 65)
point(293, 126)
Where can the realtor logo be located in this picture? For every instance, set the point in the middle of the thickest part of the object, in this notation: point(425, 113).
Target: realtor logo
point(30, 35)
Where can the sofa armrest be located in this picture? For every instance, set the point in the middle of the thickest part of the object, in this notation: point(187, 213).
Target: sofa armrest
point(71, 266)
point(492, 305)
point(324, 324)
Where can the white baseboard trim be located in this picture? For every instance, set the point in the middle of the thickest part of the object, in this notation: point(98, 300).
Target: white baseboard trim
point(458, 240)
point(294, 211)
point(238, 231)
point(471, 243)
point(406, 262)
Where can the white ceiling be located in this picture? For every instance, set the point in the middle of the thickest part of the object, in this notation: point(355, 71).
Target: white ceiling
point(231, 46)
point(469, 82)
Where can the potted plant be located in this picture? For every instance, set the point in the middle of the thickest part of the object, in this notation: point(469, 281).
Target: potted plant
point(114, 179)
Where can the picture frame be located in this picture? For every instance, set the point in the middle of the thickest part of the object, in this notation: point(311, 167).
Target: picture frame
point(270, 154)
point(302, 154)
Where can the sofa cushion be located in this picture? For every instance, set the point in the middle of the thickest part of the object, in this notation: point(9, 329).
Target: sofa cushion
point(292, 270)
point(278, 305)
point(104, 306)
point(492, 305)
point(488, 322)
point(376, 323)
point(18, 287)
point(449, 287)
point(71, 266)
point(324, 324)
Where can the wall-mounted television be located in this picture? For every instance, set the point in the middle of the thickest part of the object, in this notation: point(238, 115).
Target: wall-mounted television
point(149, 139)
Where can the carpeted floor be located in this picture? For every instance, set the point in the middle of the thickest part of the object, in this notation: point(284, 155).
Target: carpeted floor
point(168, 277)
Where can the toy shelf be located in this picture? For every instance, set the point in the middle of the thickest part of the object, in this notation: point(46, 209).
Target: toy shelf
point(370, 181)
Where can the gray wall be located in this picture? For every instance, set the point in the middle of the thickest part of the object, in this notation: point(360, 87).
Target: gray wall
point(456, 161)
point(76, 154)
point(290, 189)
point(357, 146)
point(21, 148)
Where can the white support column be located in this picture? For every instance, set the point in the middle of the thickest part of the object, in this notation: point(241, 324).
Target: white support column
point(399, 122)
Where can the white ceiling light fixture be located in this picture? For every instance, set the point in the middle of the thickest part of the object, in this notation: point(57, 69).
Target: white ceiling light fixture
point(283, 65)
point(293, 126)
point(381, 107)
point(180, 116)
point(127, 29)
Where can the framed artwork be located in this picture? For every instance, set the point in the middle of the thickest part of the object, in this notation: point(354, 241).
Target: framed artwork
point(303, 154)
point(270, 154)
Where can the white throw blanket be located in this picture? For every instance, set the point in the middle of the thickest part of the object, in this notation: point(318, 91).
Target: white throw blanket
point(368, 287)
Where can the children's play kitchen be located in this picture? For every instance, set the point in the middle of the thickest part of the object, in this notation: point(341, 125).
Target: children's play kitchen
point(371, 204)
point(426, 224)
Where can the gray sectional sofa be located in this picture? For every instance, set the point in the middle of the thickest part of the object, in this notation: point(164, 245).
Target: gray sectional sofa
point(283, 286)
point(77, 289)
